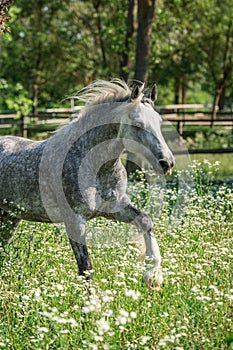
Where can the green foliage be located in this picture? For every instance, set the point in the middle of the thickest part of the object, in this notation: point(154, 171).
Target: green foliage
point(45, 305)
point(14, 97)
point(190, 44)
point(60, 46)
point(207, 138)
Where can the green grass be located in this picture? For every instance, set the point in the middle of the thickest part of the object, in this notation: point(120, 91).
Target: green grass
point(224, 169)
point(45, 305)
point(226, 164)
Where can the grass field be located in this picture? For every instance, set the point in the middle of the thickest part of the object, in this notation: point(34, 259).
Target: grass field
point(45, 305)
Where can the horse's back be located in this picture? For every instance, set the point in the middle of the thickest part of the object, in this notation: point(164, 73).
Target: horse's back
point(10, 144)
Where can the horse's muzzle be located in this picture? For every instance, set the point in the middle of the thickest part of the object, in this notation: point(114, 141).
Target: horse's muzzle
point(166, 166)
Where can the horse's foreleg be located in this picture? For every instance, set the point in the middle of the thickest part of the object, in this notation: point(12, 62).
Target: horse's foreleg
point(153, 275)
point(76, 232)
point(8, 226)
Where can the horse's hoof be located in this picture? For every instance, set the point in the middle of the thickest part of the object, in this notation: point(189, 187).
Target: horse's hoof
point(154, 278)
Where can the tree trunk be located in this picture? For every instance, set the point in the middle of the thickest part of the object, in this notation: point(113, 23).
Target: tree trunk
point(221, 103)
point(177, 91)
point(146, 10)
point(227, 69)
point(35, 100)
point(215, 104)
point(125, 63)
point(219, 91)
point(96, 5)
point(183, 90)
point(145, 19)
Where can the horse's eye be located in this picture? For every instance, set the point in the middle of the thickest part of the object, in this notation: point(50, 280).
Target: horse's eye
point(138, 125)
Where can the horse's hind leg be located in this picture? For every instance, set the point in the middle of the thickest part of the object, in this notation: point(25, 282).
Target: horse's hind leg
point(8, 226)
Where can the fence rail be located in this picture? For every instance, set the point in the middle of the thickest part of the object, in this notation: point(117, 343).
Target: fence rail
point(204, 151)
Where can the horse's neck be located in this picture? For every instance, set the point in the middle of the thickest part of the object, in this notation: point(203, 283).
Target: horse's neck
point(95, 138)
point(106, 147)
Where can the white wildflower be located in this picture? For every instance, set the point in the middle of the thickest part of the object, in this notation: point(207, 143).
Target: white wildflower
point(42, 329)
point(107, 297)
point(124, 313)
point(134, 294)
point(37, 293)
point(103, 326)
point(203, 298)
point(195, 289)
point(144, 339)
point(108, 313)
point(122, 318)
point(98, 338)
point(133, 314)
point(92, 305)
point(59, 286)
point(72, 322)
point(59, 320)
point(179, 335)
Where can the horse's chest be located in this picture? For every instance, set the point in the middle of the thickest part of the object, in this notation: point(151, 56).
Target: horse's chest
point(104, 194)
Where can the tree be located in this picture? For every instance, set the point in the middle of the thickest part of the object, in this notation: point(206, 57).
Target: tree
point(176, 55)
point(52, 48)
point(146, 9)
point(192, 44)
point(217, 45)
point(57, 47)
point(126, 65)
point(62, 45)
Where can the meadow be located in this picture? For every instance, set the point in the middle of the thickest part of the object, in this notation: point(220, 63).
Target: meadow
point(46, 305)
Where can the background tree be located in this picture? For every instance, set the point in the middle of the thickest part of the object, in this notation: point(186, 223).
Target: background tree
point(217, 45)
point(131, 26)
point(176, 59)
point(62, 45)
point(146, 9)
point(57, 47)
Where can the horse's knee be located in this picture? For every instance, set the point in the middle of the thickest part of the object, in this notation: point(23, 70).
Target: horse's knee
point(146, 223)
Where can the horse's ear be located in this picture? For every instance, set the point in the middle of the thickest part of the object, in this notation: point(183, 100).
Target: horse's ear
point(153, 93)
point(136, 92)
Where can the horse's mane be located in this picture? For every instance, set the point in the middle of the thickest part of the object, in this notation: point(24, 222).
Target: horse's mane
point(102, 91)
point(97, 95)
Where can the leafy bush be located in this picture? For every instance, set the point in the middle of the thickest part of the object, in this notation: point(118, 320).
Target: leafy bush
point(14, 97)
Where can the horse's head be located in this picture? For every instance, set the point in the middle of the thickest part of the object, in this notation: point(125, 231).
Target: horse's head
point(141, 131)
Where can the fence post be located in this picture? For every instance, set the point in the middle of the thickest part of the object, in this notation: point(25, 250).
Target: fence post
point(180, 127)
point(22, 126)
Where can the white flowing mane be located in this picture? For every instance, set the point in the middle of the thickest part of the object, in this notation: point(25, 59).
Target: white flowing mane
point(102, 91)
point(98, 97)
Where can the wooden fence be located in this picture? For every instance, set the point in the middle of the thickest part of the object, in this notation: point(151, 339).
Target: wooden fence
point(178, 115)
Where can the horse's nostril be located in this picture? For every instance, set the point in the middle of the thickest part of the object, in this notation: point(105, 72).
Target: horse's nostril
point(164, 165)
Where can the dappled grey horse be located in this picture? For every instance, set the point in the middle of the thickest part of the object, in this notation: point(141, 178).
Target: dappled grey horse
point(77, 173)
